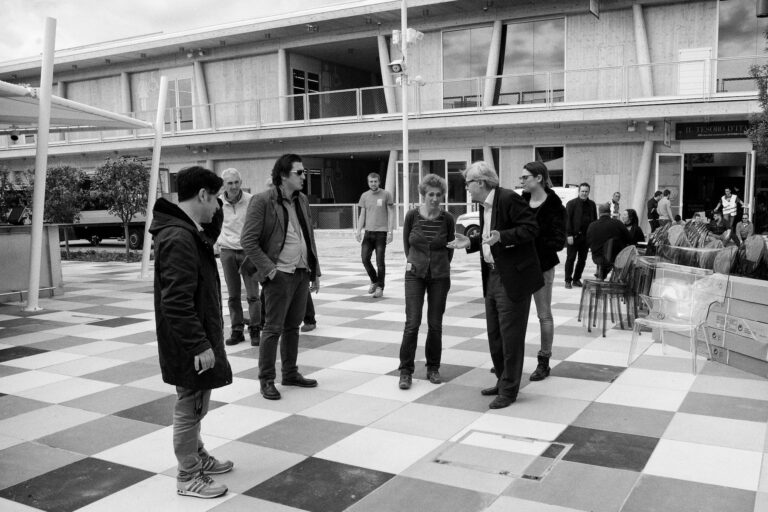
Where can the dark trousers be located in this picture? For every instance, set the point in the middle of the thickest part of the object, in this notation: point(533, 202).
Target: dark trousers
point(285, 300)
point(507, 321)
point(231, 260)
point(437, 293)
point(309, 313)
point(580, 249)
point(654, 224)
point(374, 240)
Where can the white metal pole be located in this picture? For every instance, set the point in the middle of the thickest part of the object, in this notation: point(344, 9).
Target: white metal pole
point(154, 174)
point(404, 107)
point(41, 164)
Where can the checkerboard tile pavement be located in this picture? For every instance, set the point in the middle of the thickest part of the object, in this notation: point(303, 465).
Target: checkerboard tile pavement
point(85, 420)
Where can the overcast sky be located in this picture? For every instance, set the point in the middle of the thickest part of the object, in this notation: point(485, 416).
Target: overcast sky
point(81, 22)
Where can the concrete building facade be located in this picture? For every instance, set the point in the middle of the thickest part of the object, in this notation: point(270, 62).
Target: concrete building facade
point(643, 95)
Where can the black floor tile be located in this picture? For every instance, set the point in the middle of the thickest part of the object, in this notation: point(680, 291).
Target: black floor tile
point(117, 322)
point(587, 371)
point(448, 372)
point(9, 354)
point(607, 449)
point(159, 412)
point(458, 397)
point(733, 407)
point(319, 485)
point(654, 493)
point(75, 485)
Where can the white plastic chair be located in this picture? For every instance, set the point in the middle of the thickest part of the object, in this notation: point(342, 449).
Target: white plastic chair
point(679, 301)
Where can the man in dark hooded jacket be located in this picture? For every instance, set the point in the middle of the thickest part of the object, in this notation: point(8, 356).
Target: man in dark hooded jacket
point(188, 314)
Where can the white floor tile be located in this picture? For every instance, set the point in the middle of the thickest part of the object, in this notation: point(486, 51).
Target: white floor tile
point(714, 465)
point(643, 396)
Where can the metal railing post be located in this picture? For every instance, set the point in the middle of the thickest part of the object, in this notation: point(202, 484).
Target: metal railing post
point(359, 101)
point(305, 99)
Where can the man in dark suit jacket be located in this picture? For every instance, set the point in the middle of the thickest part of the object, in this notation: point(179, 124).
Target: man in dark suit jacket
point(511, 274)
point(653, 214)
point(580, 213)
point(600, 234)
point(279, 243)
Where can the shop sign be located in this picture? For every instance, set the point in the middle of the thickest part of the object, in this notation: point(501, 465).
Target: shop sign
point(714, 130)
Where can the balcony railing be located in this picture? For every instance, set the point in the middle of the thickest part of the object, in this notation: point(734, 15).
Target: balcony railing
point(695, 80)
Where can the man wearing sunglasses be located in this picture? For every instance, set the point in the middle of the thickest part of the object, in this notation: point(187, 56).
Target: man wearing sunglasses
point(279, 242)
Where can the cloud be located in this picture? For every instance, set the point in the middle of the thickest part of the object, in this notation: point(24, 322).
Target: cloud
point(83, 22)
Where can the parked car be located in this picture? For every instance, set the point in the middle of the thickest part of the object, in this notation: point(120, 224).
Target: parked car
point(469, 223)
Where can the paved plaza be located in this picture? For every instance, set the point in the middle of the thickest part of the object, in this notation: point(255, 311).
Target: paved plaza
point(85, 419)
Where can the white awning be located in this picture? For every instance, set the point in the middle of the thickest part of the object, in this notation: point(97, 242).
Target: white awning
point(19, 108)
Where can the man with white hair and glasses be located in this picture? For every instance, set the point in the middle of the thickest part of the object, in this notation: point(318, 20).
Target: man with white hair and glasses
point(511, 273)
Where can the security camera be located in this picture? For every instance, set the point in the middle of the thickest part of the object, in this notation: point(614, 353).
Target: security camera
point(14, 135)
point(397, 66)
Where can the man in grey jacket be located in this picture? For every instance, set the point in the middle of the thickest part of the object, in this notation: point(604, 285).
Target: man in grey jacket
point(280, 244)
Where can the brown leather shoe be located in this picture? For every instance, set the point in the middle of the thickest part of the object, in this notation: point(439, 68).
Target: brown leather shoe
point(490, 391)
point(269, 391)
point(501, 402)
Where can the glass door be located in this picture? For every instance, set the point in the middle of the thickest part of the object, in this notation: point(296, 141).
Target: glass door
point(669, 176)
point(457, 199)
point(179, 103)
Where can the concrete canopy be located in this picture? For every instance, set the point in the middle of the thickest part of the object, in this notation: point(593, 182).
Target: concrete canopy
point(19, 108)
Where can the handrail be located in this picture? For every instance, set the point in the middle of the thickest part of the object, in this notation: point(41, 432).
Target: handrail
point(552, 89)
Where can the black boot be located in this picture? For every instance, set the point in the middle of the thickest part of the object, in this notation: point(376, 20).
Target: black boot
point(542, 370)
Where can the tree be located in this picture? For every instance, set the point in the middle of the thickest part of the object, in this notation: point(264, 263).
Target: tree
point(758, 123)
point(123, 185)
point(15, 190)
point(63, 197)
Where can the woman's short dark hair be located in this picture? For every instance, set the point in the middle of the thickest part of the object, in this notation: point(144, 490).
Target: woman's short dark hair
point(539, 169)
point(283, 167)
point(434, 181)
point(634, 220)
point(190, 180)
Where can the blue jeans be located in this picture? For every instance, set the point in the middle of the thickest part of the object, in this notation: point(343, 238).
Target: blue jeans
point(191, 407)
point(285, 300)
point(437, 293)
point(377, 240)
point(231, 260)
point(543, 300)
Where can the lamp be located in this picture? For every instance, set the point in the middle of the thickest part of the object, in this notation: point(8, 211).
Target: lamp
point(762, 9)
point(631, 126)
point(649, 126)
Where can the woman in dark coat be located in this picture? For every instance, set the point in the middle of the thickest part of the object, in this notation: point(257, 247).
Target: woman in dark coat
point(550, 214)
point(631, 221)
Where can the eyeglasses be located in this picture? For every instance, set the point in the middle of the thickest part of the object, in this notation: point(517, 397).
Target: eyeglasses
point(525, 177)
point(298, 172)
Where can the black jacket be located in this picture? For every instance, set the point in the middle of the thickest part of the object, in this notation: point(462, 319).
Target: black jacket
point(598, 235)
point(551, 218)
point(424, 256)
point(515, 253)
point(264, 231)
point(653, 214)
point(573, 209)
point(187, 298)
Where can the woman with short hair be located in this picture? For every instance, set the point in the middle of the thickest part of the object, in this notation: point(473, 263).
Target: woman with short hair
point(426, 231)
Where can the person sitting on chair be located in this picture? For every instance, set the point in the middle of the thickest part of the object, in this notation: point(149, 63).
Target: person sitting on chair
point(606, 237)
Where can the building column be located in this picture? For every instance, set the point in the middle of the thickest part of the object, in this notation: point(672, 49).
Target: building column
point(492, 67)
point(204, 110)
point(642, 51)
point(125, 93)
point(488, 156)
point(639, 199)
point(282, 84)
point(386, 76)
point(61, 92)
point(391, 179)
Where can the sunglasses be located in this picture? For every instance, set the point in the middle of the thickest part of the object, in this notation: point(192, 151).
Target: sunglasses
point(298, 172)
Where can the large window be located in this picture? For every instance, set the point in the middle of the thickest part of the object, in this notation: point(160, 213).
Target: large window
point(465, 57)
point(534, 54)
point(552, 157)
point(740, 35)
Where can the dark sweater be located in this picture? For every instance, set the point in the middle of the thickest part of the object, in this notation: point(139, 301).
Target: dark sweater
point(579, 215)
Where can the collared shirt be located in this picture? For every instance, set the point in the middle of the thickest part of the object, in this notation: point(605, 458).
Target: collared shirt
point(294, 253)
point(487, 216)
point(234, 220)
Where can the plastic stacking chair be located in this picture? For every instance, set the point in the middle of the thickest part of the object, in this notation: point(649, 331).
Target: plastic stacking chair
point(603, 295)
point(679, 301)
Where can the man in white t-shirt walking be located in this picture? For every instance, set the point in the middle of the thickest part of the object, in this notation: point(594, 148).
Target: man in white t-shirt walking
point(728, 204)
point(377, 217)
